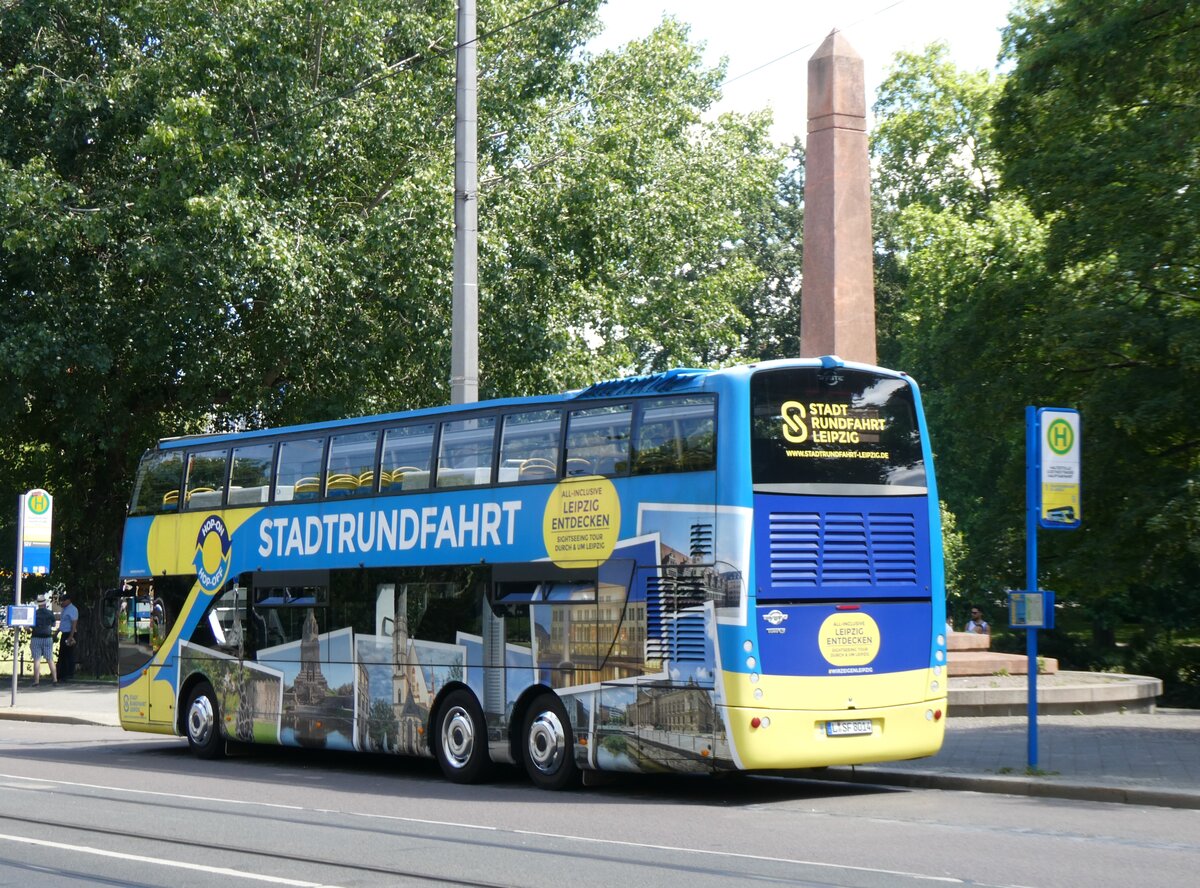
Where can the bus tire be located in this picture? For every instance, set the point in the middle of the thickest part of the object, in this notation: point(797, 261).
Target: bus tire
point(548, 747)
point(202, 723)
point(460, 738)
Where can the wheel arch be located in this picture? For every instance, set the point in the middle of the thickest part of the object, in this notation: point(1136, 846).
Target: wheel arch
point(186, 686)
point(431, 723)
point(516, 721)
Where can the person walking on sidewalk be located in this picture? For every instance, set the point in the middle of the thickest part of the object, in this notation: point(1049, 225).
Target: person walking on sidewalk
point(42, 644)
point(68, 621)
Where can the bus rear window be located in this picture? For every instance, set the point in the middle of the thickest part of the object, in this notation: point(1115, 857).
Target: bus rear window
point(834, 426)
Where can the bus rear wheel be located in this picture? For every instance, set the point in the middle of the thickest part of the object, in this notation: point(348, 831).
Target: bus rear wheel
point(549, 747)
point(461, 739)
point(202, 721)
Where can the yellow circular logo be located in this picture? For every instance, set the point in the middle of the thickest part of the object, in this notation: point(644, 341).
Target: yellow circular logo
point(849, 639)
point(582, 522)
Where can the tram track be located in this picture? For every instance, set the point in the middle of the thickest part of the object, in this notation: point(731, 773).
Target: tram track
point(260, 853)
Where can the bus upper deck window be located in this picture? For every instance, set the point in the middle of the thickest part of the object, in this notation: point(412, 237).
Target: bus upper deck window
point(465, 452)
point(205, 486)
point(250, 474)
point(351, 464)
point(843, 427)
point(406, 458)
point(598, 440)
point(299, 474)
point(676, 435)
point(529, 446)
point(157, 486)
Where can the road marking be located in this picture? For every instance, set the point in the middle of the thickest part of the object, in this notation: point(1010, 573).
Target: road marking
point(150, 792)
point(158, 861)
point(481, 827)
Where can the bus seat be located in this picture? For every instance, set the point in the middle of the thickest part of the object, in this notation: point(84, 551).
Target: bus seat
point(537, 468)
point(341, 484)
point(205, 497)
point(400, 473)
point(307, 488)
point(577, 465)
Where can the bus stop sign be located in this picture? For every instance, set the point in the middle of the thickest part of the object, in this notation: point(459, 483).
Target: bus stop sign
point(1058, 433)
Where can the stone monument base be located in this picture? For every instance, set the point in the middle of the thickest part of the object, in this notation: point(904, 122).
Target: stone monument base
point(969, 655)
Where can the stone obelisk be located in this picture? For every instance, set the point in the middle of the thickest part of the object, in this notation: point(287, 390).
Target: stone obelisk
point(837, 302)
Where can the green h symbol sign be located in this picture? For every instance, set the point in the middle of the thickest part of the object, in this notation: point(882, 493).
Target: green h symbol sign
point(1060, 436)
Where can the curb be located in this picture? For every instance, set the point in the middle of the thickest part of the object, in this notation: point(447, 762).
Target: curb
point(53, 718)
point(1026, 786)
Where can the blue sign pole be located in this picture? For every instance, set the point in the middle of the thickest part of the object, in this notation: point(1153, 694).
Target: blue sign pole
point(18, 574)
point(1032, 514)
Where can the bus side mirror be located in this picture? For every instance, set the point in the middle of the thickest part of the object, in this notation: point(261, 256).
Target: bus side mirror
point(108, 608)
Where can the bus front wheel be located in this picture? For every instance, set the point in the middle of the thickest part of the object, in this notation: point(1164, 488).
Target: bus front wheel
point(461, 738)
point(202, 721)
point(549, 747)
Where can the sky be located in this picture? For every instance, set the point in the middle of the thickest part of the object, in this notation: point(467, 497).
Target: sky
point(752, 33)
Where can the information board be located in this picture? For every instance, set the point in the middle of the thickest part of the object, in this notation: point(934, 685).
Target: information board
point(20, 615)
point(1031, 610)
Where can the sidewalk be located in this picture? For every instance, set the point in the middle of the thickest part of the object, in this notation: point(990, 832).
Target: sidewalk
point(1136, 758)
point(76, 702)
point(1148, 758)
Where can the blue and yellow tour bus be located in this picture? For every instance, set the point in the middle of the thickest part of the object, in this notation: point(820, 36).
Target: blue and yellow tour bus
point(691, 571)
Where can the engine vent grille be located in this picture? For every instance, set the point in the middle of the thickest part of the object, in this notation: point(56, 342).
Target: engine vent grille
point(832, 550)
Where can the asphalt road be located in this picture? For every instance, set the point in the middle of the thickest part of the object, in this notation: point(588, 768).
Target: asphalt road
point(83, 805)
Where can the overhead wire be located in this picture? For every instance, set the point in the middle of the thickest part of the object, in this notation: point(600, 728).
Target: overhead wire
point(413, 61)
point(811, 43)
point(539, 164)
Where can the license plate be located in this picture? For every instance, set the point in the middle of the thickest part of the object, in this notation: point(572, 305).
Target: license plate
point(847, 728)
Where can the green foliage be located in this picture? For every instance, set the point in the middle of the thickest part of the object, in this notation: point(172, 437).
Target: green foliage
point(933, 141)
point(635, 217)
point(954, 551)
point(240, 214)
point(1100, 132)
point(1038, 246)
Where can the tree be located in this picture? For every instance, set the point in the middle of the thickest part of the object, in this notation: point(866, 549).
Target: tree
point(613, 247)
point(1100, 132)
point(239, 214)
point(775, 244)
point(1068, 281)
point(933, 142)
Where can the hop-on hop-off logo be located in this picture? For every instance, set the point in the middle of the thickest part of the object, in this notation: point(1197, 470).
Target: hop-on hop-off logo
point(212, 554)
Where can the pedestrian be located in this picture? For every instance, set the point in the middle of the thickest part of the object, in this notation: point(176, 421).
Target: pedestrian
point(42, 644)
point(978, 624)
point(68, 622)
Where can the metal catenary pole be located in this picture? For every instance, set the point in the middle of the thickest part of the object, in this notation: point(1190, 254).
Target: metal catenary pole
point(464, 346)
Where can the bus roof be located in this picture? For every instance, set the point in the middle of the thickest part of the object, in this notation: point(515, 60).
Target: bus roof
point(668, 382)
point(674, 382)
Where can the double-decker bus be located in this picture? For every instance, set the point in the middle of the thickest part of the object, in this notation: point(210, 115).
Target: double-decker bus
point(691, 571)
